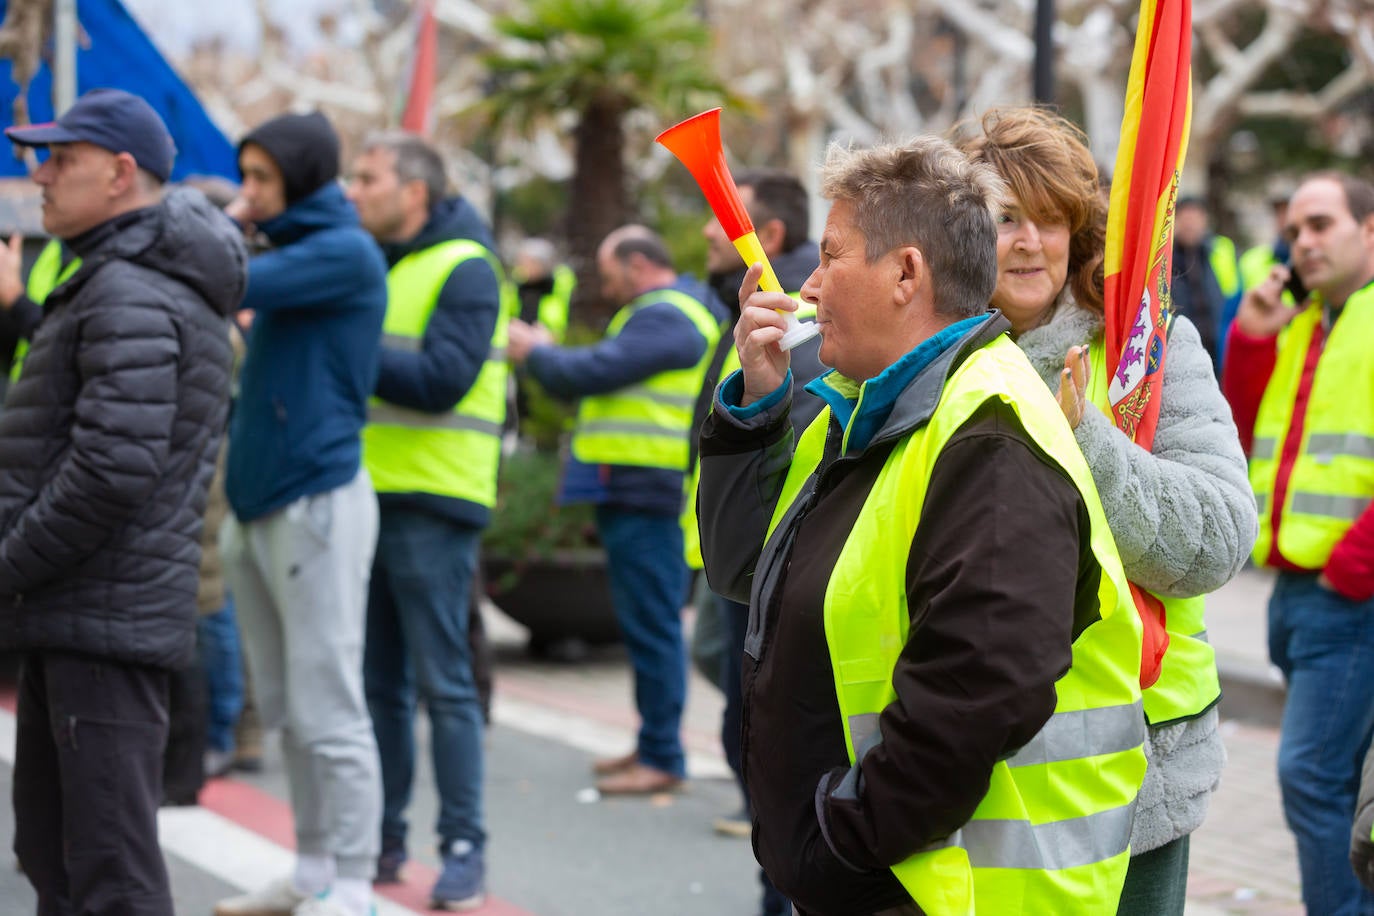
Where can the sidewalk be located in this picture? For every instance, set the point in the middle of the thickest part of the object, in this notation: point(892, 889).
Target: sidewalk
point(1237, 625)
point(1242, 859)
point(559, 850)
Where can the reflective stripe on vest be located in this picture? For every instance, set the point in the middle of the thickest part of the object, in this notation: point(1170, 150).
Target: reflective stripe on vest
point(647, 424)
point(691, 536)
point(45, 276)
point(1188, 683)
point(456, 452)
point(1332, 479)
point(1052, 833)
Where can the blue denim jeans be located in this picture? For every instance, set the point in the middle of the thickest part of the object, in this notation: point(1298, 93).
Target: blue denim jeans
point(218, 637)
point(1324, 644)
point(648, 587)
point(417, 648)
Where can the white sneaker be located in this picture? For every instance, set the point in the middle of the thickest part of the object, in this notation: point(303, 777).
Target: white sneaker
point(326, 906)
point(280, 898)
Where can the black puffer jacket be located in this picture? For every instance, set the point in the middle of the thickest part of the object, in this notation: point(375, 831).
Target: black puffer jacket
point(108, 440)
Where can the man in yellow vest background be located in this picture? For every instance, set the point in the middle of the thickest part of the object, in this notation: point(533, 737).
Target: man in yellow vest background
point(1301, 384)
point(21, 302)
point(432, 445)
point(941, 672)
point(1256, 262)
point(630, 454)
point(544, 286)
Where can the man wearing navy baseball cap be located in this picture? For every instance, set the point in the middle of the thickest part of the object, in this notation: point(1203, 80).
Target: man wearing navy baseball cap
point(107, 445)
point(106, 127)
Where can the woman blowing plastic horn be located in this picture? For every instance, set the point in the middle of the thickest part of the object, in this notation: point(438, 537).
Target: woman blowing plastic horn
point(1182, 514)
point(941, 669)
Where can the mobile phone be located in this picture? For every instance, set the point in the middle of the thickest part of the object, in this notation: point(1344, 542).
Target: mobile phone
point(1295, 287)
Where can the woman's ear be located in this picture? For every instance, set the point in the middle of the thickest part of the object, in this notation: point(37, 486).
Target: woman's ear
point(914, 275)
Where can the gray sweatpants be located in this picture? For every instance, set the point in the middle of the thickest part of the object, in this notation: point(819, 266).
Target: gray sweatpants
point(299, 579)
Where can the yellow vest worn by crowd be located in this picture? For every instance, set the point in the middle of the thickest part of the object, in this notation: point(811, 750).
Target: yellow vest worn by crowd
point(46, 275)
point(1255, 265)
point(1225, 266)
point(1052, 835)
point(647, 424)
point(555, 305)
point(1188, 684)
point(691, 535)
point(455, 453)
point(1332, 480)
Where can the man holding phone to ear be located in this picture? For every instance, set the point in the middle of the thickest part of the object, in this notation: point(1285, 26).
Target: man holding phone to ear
point(1300, 380)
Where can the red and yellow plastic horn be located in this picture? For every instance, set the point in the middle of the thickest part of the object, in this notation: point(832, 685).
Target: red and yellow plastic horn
point(696, 143)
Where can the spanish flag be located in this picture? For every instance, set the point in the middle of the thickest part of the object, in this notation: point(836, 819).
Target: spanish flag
point(1140, 233)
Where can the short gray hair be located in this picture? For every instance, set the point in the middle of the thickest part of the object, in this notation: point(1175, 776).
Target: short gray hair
point(928, 194)
point(416, 160)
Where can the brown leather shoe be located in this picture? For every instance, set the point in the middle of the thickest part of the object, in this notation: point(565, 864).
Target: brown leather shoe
point(608, 765)
point(638, 779)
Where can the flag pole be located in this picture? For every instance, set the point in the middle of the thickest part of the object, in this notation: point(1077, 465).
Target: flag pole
point(64, 56)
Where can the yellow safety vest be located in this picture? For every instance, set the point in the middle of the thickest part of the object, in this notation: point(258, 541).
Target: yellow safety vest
point(46, 275)
point(647, 424)
point(691, 535)
point(1188, 682)
point(455, 453)
point(555, 304)
point(1332, 480)
point(1224, 265)
point(1052, 835)
point(1255, 265)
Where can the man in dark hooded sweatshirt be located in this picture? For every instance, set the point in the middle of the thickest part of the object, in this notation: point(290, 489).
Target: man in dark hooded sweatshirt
point(107, 446)
point(431, 446)
point(298, 547)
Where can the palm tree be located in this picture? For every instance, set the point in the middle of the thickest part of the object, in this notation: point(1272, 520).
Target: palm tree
point(602, 60)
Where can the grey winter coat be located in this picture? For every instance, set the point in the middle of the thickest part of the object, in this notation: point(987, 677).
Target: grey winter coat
point(1184, 520)
point(108, 439)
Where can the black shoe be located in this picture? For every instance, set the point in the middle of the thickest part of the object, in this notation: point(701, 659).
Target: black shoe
point(389, 862)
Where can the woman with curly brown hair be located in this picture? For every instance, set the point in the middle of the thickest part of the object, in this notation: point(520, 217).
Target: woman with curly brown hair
point(1182, 513)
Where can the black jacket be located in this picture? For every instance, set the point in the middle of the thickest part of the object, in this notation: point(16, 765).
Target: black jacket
point(1000, 580)
point(108, 440)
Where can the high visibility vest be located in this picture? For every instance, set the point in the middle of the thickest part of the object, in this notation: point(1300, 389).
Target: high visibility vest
point(1188, 683)
point(46, 275)
point(555, 304)
point(1255, 265)
point(457, 452)
point(1225, 267)
point(1332, 479)
point(691, 535)
point(647, 424)
point(1052, 835)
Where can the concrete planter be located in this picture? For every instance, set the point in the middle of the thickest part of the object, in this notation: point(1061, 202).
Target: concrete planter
point(564, 599)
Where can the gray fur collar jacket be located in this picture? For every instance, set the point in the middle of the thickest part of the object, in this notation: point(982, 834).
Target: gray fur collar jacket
point(1184, 519)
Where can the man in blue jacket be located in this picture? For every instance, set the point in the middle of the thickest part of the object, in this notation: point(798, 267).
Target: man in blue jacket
point(298, 547)
point(629, 456)
point(431, 446)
